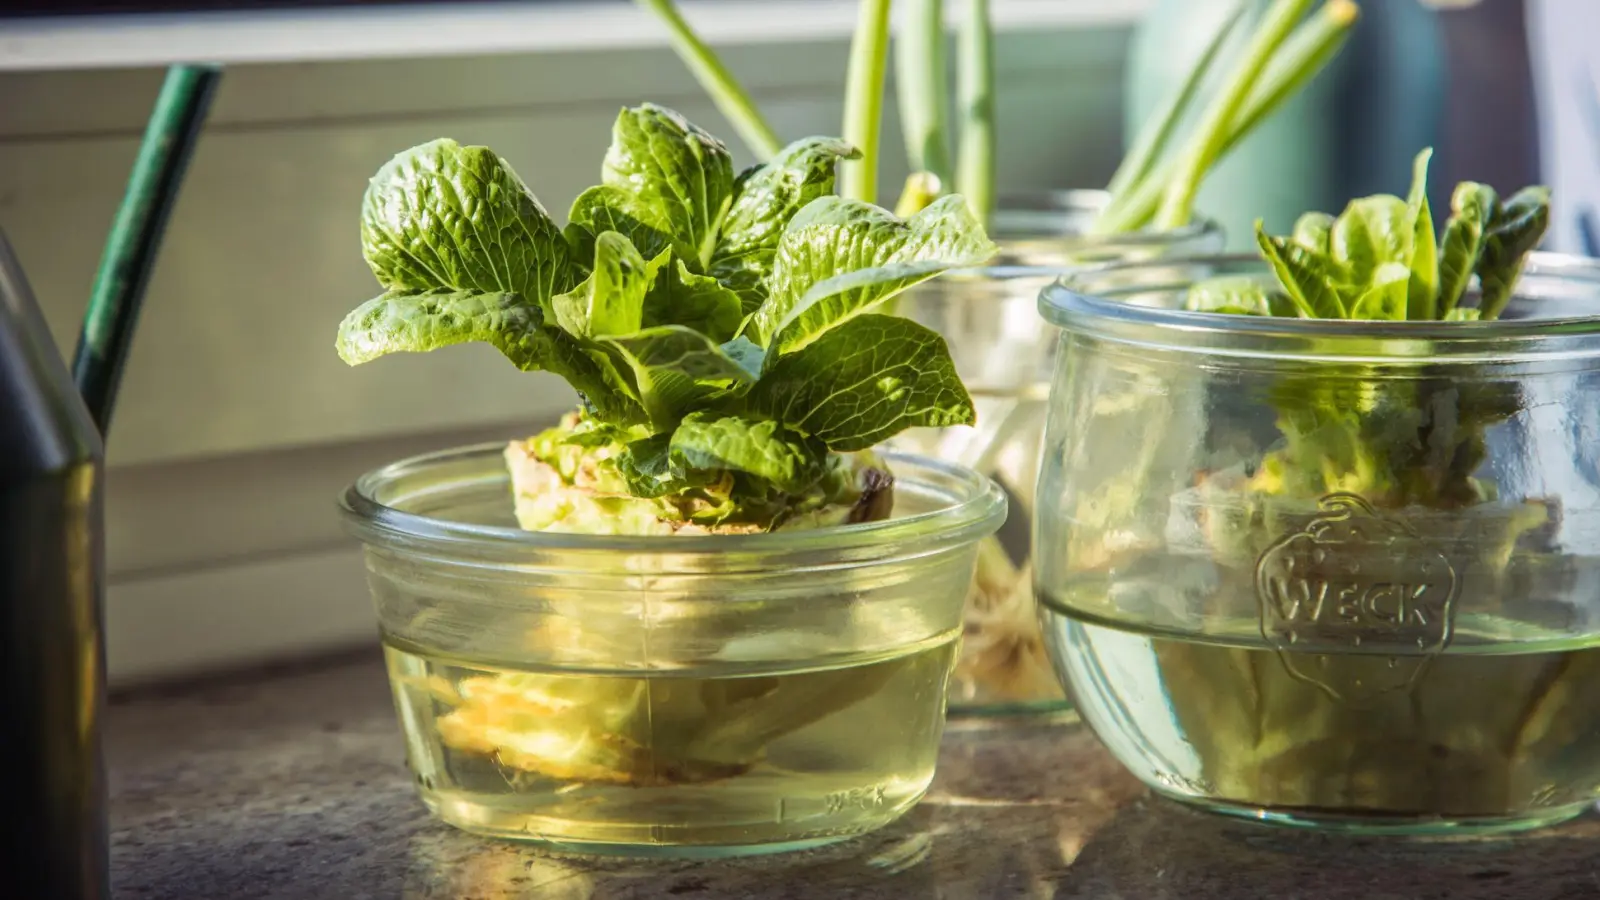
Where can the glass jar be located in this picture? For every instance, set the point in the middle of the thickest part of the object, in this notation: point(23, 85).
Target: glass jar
point(1051, 228)
point(666, 695)
point(1004, 353)
point(1335, 574)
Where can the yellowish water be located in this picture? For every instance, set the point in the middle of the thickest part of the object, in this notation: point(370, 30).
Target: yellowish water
point(1491, 734)
point(677, 763)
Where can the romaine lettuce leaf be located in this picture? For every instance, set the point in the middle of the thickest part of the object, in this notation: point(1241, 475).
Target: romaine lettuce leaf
point(1422, 290)
point(611, 300)
point(863, 382)
point(604, 208)
point(1471, 207)
point(1314, 231)
point(839, 258)
point(680, 297)
point(1370, 232)
point(677, 178)
point(765, 198)
point(416, 323)
point(1241, 296)
point(677, 370)
point(1314, 282)
point(1517, 227)
point(1386, 299)
point(762, 448)
point(441, 215)
point(720, 332)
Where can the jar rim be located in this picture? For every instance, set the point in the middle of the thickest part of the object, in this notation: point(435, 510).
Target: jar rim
point(975, 507)
point(1073, 202)
point(1094, 302)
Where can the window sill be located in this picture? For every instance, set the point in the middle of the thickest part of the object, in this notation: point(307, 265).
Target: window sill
point(94, 42)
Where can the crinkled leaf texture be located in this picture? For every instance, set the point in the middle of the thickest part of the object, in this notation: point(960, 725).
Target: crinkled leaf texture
point(766, 197)
point(1348, 267)
point(863, 382)
point(676, 177)
point(1395, 442)
point(678, 370)
point(1370, 232)
point(840, 258)
point(1516, 228)
point(611, 300)
point(441, 215)
point(680, 297)
point(721, 331)
point(762, 448)
point(416, 323)
point(1311, 280)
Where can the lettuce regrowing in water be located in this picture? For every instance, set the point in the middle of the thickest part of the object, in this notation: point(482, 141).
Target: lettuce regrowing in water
point(726, 335)
point(1395, 444)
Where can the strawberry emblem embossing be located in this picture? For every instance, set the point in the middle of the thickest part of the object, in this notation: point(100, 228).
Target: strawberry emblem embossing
point(1355, 582)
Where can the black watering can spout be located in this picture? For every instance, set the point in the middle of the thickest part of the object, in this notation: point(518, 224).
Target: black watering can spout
point(52, 655)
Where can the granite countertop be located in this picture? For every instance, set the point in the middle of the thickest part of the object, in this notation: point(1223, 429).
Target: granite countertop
point(293, 785)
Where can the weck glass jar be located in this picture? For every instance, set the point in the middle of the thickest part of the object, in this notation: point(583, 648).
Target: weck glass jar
point(666, 695)
point(1004, 354)
point(1330, 573)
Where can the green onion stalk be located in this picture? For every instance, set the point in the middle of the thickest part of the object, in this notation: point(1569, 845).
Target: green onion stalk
point(922, 87)
point(863, 100)
point(924, 95)
point(1157, 181)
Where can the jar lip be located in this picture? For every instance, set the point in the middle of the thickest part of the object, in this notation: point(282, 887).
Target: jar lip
point(1092, 301)
point(1073, 202)
point(978, 509)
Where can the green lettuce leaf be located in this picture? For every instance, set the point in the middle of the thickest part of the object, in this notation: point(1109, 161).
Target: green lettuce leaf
point(762, 448)
point(441, 215)
point(1386, 300)
point(1314, 231)
point(677, 369)
point(1239, 295)
point(646, 467)
point(1517, 227)
point(1471, 207)
point(1313, 281)
point(677, 177)
point(864, 381)
point(680, 297)
point(417, 323)
point(750, 355)
point(1422, 290)
point(765, 198)
point(604, 208)
point(840, 258)
point(673, 293)
point(1370, 232)
point(611, 300)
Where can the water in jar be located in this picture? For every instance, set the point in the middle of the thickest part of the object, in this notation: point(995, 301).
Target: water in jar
point(1003, 662)
point(1488, 732)
point(694, 761)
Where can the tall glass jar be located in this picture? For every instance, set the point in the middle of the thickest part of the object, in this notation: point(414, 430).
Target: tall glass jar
point(666, 695)
point(1004, 353)
point(1328, 573)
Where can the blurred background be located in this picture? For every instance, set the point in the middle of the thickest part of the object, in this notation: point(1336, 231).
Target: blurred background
point(238, 425)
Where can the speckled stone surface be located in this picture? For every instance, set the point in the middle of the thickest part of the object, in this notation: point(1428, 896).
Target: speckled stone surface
point(293, 785)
